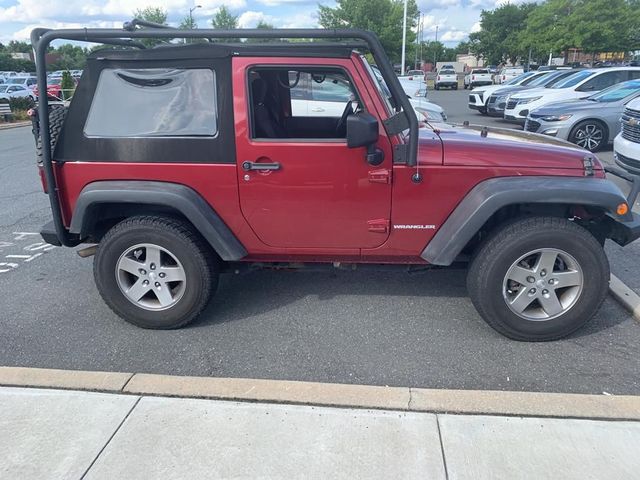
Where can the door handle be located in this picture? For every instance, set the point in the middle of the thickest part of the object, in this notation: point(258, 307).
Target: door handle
point(247, 166)
point(317, 109)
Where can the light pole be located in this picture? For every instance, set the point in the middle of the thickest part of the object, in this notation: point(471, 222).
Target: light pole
point(435, 50)
point(191, 15)
point(404, 36)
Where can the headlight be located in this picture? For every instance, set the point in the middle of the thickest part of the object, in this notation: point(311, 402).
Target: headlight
point(522, 101)
point(557, 118)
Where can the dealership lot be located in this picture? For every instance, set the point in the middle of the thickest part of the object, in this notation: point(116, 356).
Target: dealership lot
point(350, 327)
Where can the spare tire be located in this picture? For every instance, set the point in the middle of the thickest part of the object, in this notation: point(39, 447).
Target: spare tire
point(57, 114)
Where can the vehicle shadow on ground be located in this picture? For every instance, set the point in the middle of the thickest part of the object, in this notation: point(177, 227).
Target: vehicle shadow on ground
point(438, 293)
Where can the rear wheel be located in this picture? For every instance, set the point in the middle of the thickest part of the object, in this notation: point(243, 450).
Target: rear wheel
point(155, 272)
point(591, 135)
point(539, 279)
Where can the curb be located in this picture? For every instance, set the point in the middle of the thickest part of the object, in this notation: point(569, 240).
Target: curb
point(467, 402)
point(14, 125)
point(627, 297)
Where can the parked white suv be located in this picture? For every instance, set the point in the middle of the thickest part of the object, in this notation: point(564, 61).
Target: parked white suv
point(507, 73)
point(479, 96)
point(446, 78)
point(579, 85)
point(478, 76)
point(626, 146)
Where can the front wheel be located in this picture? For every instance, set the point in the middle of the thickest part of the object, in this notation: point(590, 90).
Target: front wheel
point(155, 272)
point(539, 279)
point(589, 134)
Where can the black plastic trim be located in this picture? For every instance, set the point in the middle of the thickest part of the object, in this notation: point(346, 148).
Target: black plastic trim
point(48, 234)
point(171, 195)
point(489, 196)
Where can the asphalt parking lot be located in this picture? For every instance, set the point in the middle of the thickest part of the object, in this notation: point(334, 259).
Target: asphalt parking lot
point(346, 327)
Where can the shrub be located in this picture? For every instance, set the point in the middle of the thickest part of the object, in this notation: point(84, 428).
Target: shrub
point(67, 85)
point(21, 103)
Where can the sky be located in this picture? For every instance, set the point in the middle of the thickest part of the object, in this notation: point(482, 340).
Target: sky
point(455, 18)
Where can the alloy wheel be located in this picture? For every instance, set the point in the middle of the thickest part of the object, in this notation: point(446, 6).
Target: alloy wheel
point(543, 284)
point(150, 276)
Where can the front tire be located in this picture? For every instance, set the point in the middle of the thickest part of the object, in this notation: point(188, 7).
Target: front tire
point(591, 135)
point(155, 272)
point(538, 279)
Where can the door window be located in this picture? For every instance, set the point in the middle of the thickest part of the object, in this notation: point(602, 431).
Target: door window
point(603, 81)
point(303, 103)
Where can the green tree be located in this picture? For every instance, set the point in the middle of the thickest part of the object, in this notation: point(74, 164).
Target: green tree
point(15, 46)
point(155, 15)
point(603, 25)
point(72, 57)
point(383, 17)
point(499, 39)
point(225, 20)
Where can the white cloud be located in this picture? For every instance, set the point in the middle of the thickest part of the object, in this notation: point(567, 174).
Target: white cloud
point(251, 18)
point(299, 20)
point(276, 3)
point(24, 33)
point(475, 27)
point(453, 36)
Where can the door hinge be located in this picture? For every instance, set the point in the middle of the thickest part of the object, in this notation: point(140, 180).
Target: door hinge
point(380, 176)
point(380, 225)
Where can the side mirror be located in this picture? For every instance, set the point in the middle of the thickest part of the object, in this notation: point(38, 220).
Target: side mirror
point(362, 130)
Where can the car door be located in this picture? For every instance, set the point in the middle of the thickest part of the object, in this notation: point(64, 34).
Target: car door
point(300, 185)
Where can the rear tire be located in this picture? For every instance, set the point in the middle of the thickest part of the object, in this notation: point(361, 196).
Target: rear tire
point(155, 272)
point(576, 282)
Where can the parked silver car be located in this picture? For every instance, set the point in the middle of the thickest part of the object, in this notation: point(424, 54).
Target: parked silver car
point(590, 123)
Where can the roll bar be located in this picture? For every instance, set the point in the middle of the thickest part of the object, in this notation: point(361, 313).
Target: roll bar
point(42, 37)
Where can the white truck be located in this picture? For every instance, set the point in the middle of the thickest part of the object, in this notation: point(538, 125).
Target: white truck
point(477, 77)
point(446, 78)
point(506, 74)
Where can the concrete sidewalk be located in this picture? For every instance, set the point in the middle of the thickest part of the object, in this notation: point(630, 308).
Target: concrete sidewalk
point(53, 434)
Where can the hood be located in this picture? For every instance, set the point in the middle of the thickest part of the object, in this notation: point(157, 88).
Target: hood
point(571, 106)
point(479, 146)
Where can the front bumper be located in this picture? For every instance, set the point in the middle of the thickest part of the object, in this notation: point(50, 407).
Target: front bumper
point(625, 232)
point(553, 129)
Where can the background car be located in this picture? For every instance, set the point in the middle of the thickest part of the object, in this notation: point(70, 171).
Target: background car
point(507, 73)
point(590, 123)
point(54, 89)
point(414, 86)
point(479, 96)
point(415, 73)
point(8, 91)
point(28, 82)
point(477, 77)
point(579, 85)
point(497, 101)
point(446, 78)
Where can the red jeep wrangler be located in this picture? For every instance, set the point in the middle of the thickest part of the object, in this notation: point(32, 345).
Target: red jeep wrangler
point(184, 161)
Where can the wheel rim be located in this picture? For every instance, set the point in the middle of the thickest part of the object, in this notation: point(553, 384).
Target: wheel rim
point(543, 284)
point(150, 277)
point(589, 136)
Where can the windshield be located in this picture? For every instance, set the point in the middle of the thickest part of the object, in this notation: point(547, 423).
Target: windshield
point(617, 92)
point(531, 79)
point(573, 80)
point(383, 90)
point(519, 79)
point(3, 88)
point(479, 71)
point(557, 77)
point(447, 72)
point(16, 80)
point(54, 81)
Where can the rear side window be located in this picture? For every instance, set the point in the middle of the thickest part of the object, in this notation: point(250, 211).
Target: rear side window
point(153, 102)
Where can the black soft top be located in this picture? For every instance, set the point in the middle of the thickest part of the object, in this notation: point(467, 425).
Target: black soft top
point(221, 50)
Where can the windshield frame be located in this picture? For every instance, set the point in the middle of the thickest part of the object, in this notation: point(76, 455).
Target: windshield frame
point(574, 80)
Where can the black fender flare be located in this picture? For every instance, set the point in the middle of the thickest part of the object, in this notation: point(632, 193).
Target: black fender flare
point(489, 196)
point(172, 195)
